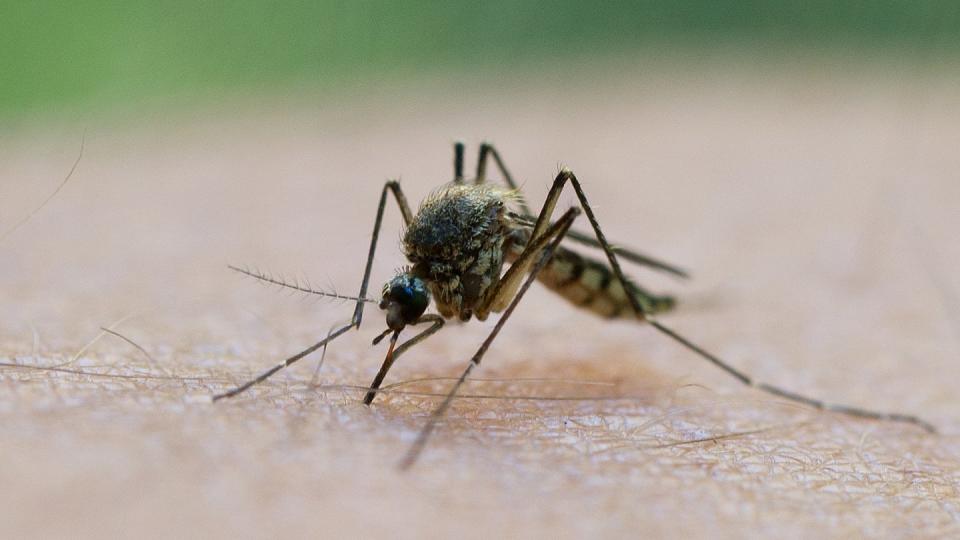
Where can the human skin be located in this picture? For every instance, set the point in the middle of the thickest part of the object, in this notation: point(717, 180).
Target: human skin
point(816, 213)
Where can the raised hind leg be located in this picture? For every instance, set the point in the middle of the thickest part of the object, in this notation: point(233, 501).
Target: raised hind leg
point(567, 175)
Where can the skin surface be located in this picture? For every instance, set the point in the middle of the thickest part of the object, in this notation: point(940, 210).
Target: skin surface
point(816, 209)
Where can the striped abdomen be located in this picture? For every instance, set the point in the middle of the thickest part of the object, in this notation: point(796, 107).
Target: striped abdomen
point(590, 284)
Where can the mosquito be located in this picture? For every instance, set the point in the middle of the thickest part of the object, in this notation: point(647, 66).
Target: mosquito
point(457, 245)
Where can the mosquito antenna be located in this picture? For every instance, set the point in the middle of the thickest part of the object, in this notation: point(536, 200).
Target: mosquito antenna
point(295, 285)
point(786, 394)
point(50, 197)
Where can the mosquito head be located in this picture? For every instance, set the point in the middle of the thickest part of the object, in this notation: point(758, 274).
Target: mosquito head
point(405, 298)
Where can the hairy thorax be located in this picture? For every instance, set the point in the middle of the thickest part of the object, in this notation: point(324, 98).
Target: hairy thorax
point(456, 244)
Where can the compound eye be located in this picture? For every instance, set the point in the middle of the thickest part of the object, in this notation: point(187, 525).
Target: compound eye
point(405, 298)
point(414, 301)
point(402, 294)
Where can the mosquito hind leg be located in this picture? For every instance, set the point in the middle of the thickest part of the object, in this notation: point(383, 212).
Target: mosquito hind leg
point(391, 186)
point(489, 151)
point(567, 176)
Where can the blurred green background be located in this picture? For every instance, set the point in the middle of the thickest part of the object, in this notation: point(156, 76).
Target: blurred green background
point(60, 57)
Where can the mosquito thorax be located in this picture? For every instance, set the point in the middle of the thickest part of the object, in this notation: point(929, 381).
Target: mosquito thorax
point(405, 298)
point(455, 243)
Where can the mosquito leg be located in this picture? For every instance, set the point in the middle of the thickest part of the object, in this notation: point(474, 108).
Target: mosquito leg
point(488, 150)
point(632, 255)
point(504, 290)
point(551, 239)
point(567, 175)
point(266, 374)
point(786, 394)
point(846, 409)
point(626, 253)
point(391, 186)
point(392, 355)
point(394, 187)
point(458, 162)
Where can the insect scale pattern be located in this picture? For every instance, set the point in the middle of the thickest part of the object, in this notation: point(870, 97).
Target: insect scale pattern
point(458, 243)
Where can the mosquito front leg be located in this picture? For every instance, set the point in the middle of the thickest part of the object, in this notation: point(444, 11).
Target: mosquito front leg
point(268, 373)
point(394, 187)
point(391, 186)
